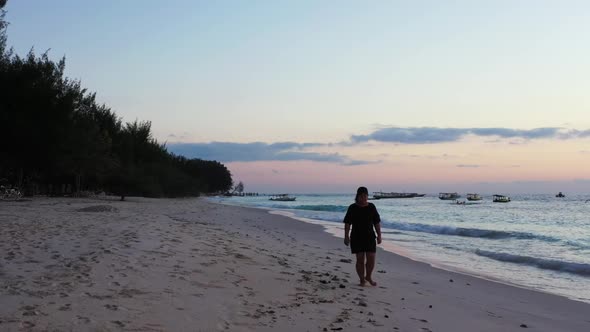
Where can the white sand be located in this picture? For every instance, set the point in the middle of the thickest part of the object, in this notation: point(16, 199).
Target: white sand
point(189, 265)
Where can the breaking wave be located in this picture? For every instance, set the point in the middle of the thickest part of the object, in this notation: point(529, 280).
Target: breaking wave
point(546, 264)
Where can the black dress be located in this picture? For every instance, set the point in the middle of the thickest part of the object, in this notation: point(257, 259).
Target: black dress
point(362, 219)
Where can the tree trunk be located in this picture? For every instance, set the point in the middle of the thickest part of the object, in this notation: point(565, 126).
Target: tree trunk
point(21, 175)
point(78, 183)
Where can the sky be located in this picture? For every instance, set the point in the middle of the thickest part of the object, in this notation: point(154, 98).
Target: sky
point(324, 96)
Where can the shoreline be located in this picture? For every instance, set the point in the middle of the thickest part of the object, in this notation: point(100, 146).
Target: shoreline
point(400, 251)
point(190, 264)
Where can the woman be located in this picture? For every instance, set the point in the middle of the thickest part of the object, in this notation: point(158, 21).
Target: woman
point(364, 219)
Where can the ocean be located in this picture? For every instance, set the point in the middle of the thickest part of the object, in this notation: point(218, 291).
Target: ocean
point(539, 242)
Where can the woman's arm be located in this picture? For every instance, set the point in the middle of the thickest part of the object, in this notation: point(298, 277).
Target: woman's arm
point(346, 234)
point(378, 230)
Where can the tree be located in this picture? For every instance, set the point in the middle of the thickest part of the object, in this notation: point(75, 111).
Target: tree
point(55, 135)
point(3, 25)
point(239, 188)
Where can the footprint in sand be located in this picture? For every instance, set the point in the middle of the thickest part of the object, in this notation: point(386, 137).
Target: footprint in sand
point(27, 325)
point(65, 307)
point(112, 307)
point(118, 323)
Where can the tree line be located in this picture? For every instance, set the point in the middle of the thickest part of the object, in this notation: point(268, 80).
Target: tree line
point(55, 138)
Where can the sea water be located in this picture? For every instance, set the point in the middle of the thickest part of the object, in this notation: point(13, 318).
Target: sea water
point(535, 241)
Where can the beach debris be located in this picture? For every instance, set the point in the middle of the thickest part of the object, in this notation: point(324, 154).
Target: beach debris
point(403, 298)
point(451, 280)
point(430, 306)
point(415, 282)
point(523, 326)
point(342, 286)
point(386, 316)
point(381, 271)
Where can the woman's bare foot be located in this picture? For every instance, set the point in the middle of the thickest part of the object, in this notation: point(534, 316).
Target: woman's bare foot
point(373, 283)
point(362, 283)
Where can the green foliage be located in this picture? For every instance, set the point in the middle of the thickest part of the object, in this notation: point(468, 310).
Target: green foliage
point(55, 135)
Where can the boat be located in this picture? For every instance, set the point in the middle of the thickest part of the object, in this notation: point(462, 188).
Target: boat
point(448, 196)
point(501, 199)
point(473, 197)
point(381, 194)
point(282, 198)
point(560, 194)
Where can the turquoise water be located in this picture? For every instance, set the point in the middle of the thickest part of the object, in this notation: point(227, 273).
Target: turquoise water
point(535, 241)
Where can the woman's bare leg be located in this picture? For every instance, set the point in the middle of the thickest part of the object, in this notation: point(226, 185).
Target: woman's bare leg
point(360, 267)
point(370, 265)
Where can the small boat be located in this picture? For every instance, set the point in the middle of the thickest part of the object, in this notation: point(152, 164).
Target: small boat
point(282, 198)
point(560, 194)
point(380, 195)
point(448, 196)
point(501, 199)
point(473, 197)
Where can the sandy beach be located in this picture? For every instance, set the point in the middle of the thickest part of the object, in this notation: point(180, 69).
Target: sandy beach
point(190, 265)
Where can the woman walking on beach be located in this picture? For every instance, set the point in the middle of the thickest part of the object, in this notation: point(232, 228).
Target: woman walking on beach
point(364, 219)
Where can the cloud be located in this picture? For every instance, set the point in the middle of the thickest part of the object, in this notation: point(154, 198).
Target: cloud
point(431, 135)
point(292, 151)
point(469, 166)
point(259, 151)
point(422, 135)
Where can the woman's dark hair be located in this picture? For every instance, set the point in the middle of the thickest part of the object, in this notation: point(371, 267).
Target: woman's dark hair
point(359, 191)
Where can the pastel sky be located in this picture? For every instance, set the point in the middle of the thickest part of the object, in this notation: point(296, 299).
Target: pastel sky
point(324, 96)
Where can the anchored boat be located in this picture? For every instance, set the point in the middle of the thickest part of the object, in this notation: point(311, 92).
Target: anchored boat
point(448, 196)
point(282, 198)
point(474, 197)
point(501, 199)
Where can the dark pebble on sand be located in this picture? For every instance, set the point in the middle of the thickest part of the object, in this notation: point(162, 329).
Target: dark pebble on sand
point(342, 286)
point(430, 306)
point(386, 316)
point(523, 326)
point(403, 298)
point(450, 280)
